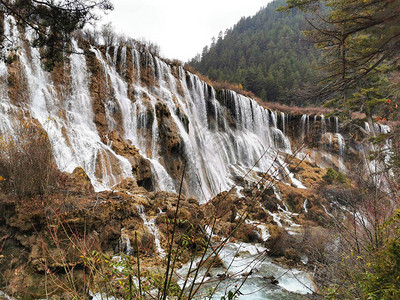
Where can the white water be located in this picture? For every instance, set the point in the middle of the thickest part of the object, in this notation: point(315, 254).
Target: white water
point(67, 117)
point(210, 145)
point(323, 124)
point(6, 108)
point(263, 228)
point(341, 144)
point(125, 243)
point(5, 296)
point(336, 124)
point(253, 259)
point(151, 226)
point(305, 205)
point(241, 259)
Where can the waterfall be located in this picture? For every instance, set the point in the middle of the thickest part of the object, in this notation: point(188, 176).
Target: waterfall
point(125, 243)
point(336, 124)
point(367, 127)
point(151, 226)
point(341, 144)
point(69, 121)
point(6, 108)
point(305, 205)
point(123, 61)
point(323, 124)
point(216, 133)
point(303, 122)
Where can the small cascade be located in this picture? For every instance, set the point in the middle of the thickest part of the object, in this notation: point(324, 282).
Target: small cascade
point(5, 124)
point(136, 63)
point(336, 123)
point(5, 296)
point(341, 144)
point(323, 124)
point(115, 55)
point(367, 127)
point(377, 128)
point(305, 205)
point(332, 149)
point(125, 243)
point(274, 118)
point(304, 127)
point(6, 108)
point(330, 141)
point(374, 167)
point(384, 128)
point(123, 61)
point(151, 226)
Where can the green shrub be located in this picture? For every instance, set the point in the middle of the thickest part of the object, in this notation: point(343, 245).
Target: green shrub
point(382, 280)
point(333, 176)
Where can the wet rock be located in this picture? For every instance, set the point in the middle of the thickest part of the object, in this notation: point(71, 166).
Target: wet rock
point(171, 144)
point(141, 168)
point(271, 279)
point(213, 261)
point(251, 272)
point(279, 241)
point(291, 254)
point(126, 185)
point(78, 182)
point(222, 275)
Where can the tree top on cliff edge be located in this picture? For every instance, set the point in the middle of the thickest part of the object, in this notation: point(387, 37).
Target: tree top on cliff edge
point(53, 21)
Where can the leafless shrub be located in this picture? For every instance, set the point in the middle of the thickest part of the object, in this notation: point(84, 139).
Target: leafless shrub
point(27, 167)
point(92, 36)
point(108, 34)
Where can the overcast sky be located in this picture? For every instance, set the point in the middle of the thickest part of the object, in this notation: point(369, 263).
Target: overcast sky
point(181, 27)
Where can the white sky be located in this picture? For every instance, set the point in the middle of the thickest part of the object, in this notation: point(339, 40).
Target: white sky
point(180, 27)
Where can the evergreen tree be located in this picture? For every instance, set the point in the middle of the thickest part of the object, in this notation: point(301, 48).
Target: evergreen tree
point(360, 39)
point(266, 53)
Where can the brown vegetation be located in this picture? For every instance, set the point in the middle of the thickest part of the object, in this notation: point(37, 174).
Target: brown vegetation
point(295, 110)
point(27, 167)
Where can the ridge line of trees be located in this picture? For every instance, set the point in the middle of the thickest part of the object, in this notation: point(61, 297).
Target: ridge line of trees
point(267, 54)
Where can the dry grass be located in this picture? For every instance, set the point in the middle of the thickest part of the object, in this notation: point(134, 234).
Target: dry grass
point(222, 85)
point(295, 110)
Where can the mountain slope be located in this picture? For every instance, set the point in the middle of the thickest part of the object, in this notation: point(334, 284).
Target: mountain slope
point(266, 53)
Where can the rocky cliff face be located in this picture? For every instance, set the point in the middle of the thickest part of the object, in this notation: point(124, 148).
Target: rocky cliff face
point(121, 112)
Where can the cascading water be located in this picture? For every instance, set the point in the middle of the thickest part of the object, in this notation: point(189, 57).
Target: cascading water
point(336, 123)
point(283, 123)
point(323, 124)
point(6, 108)
point(125, 243)
point(303, 124)
point(217, 133)
point(341, 144)
point(151, 226)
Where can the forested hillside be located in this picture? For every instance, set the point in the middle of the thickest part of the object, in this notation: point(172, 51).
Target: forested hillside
point(267, 54)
